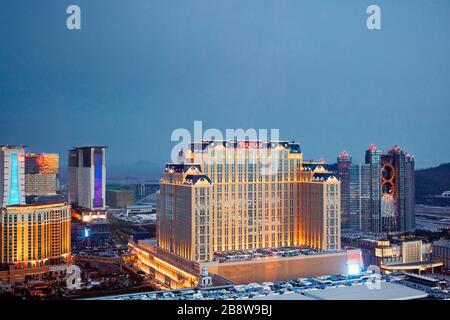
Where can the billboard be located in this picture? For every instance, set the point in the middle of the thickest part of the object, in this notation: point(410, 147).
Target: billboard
point(42, 163)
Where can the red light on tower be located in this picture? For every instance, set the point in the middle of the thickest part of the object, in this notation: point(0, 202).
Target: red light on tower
point(372, 147)
point(344, 154)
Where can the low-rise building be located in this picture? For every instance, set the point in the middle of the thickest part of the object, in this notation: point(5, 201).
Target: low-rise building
point(441, 251)
point(397, 255)
point(119, 198)
point(253, 265)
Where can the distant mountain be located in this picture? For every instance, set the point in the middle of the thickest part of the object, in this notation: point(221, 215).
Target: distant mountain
point(138, 172)
point(432, 181)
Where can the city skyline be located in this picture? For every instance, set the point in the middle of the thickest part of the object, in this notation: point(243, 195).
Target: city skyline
point(149, 170)
point(236, 151)
point(318, 74)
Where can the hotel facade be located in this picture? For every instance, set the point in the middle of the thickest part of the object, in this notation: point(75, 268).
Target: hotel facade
point(34, 240)
point(242, 198)
point(224, 199)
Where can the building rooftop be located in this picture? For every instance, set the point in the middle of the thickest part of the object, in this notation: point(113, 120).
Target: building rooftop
point(181, 167)
point(195, 178)
point(34, 154)
point(442, 243)
point(7, 146)
point(364, 236)
point(324, 176)
point(150, 242)
point(245, 255)
point(320, 288)
point(87, 147)
point(386, 291)
point(24, 208)
point(247, 143)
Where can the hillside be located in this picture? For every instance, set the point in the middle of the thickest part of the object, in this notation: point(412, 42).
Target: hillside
point(432, 181)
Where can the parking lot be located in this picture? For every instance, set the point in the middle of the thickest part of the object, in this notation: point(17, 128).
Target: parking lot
point(259, 290)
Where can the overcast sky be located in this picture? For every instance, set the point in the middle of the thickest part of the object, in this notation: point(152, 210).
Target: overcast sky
point(137, 70)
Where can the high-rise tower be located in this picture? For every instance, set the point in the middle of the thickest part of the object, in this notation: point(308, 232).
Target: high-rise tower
point(12, 175)
point(344, 164)
point(87, 181)
point(397, 189)
point(378, 196)
point(371, 211)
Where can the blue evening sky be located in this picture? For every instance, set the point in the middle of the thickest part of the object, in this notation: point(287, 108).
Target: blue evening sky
point(140, 69)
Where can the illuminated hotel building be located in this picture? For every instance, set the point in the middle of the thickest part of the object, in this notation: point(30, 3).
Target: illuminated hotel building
point(221, 200)
point(319, 208)
point(12, 175)
point(87, 182)
point(34, 240)
point(41, 174)
point(248, 211)
point(228, 197)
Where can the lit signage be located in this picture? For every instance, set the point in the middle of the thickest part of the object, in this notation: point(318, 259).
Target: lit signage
point(98, 178)
point(353, 269)
point(42, 163)
point(354, 262)
point(249, 144)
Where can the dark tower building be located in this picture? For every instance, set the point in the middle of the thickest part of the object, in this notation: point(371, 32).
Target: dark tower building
point(371, 210)
point(390, 208)
point(377, 196)
point(397, 202)
point(344, 163)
